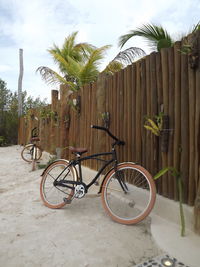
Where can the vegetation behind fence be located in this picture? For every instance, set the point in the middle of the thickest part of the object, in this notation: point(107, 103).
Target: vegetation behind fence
point(167, 82)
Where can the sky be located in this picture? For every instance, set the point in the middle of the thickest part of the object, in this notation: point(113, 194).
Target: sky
point(36, 25)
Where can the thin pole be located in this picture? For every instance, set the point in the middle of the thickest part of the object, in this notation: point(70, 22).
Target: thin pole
point(21, 70)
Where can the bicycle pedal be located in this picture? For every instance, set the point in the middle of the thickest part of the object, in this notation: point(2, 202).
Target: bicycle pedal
point(67, 201)
point(96, 183)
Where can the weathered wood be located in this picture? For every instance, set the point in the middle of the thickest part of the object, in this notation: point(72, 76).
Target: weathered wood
point(149, 152)
point(143, 110)
point(154, 112)
point(197, 147)
point(192, 104)
point(165, 75)
point(64, 121)
point(54, 101)
point(160, 109)
point(138, 144)
point(177, 112)
point(184, 165)
point(171, 120)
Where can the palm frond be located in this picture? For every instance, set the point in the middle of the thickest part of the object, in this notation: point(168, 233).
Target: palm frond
point(52, 77)
point(129, 55)
point(113, 66)
point(152, 33)
point(90, 69)
point(196, 27)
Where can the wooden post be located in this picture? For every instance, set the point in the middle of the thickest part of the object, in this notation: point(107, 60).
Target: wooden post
point(64, 121)
point(21, 71)
point(197, 147)
point(171, 121)
point(138, 144)
point(160, 107)
point(148, 133)
point(192, 104)
point(143, 110)
point(54, 113)
point(177, 112)
point(184, 165)
point(100, 96)
point(165, 75)
point(154, 111)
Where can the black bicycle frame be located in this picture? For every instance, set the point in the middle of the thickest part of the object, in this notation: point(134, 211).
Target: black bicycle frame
point(78, 161)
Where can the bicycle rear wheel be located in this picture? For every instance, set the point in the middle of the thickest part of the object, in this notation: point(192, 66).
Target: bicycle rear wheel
point(27, 153)
point(135, 202)
point(56, 197)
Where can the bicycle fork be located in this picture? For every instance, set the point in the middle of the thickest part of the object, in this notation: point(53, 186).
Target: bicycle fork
point(121, 180)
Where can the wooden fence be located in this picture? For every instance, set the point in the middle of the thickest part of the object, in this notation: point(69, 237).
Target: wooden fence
point(167, 82)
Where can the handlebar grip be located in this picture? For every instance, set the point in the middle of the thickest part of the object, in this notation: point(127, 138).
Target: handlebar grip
point(98, 127)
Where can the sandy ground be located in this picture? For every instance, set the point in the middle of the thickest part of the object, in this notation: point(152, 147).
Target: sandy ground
point(81, 234)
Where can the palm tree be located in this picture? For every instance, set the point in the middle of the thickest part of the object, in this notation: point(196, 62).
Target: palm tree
point(123, 59)
point(78, 63)
point(156, 36)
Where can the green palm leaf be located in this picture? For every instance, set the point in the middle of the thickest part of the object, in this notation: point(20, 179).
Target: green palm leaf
point(152, 33)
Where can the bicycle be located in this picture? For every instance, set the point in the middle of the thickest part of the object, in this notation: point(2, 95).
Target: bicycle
point(32, 151)
point(127, 191)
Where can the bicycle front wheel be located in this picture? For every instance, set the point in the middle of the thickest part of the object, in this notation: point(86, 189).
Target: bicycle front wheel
point(56, 196)
point(128, 195)
point(28, 151)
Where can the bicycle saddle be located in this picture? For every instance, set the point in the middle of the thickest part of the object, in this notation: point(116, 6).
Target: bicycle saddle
point(78, 150)
point(34, 139)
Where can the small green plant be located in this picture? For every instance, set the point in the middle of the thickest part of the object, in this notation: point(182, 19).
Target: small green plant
point(43, 166)
point(155, 126)
point(2, 141)
point(177, 175)
point(186, 49)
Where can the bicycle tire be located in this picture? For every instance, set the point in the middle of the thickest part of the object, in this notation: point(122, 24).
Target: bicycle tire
point(26, 153)
point(135, 205)
point(53, 196)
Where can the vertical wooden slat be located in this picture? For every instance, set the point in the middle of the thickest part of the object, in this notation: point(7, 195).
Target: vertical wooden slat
point(184, 165)
point(171, 121)
point(143, 109)
point(160, 109)
point(165, 75)
point(192, 104)
point(154, 112)
point(177, 112)
point(138, 145)
point(148, 133)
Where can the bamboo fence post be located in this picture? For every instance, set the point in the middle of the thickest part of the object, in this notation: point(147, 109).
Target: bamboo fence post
point(184, 164)
point(138, 144)
point(192, 104)
point(101, 101)
point(133, 111)
point(154, 111)
point(165, 75)
point(197, 146)
point(160, 109)
point(148, 133)
point(177, 112)
point(54, 100)
point(171, 121)
point(65, 121)
point(130, 103)
point(126, 117)
point(121, 116)
point(143, 109)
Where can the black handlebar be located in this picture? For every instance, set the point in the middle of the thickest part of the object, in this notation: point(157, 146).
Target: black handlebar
point(118, 142)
